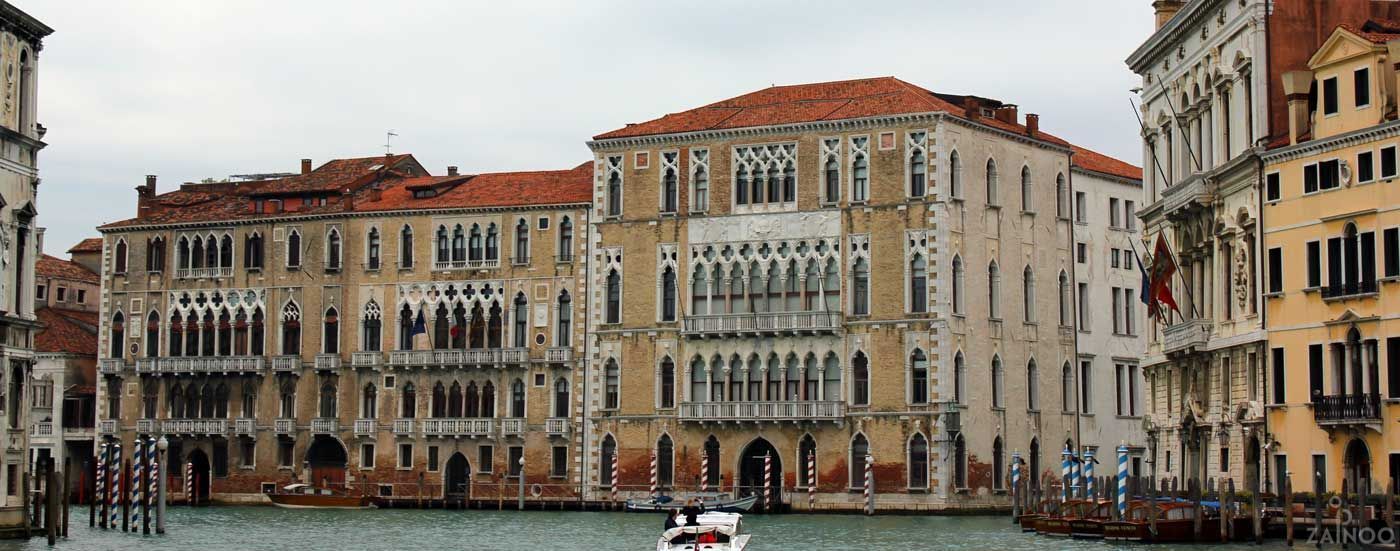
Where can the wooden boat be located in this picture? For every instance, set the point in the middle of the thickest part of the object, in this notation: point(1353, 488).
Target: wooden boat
point(305, 496)
point(1089, 519)
point(711, 501)
point(1046, 507)
point(1176, 523)
point(713, 532)
point(1133, 527)
point(1058, 524)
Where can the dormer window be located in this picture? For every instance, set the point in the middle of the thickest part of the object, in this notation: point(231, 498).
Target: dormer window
point(424, 193)
point(1362, 87)
point(1329, 96)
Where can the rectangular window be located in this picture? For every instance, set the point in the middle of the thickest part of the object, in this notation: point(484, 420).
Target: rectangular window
point(1117, 307)
point(1329, 174)
point(514, 454)
point(1134, 401)
point(1319, 473)
point(1310, 178)
point(1080, 208)
point(1388, 162)
point(1086, 383)
point(1391, 237)
point(247, 452)
point(1276, 270)
point(1277, 375)
point(1314, 372)
point(41, 292)
point(62, 294)
point(1081, 252)
point(484, 457)
point(559, 462)
point(1128, 319)
point(1119, 382)
point(432, 459)
point(82, 296)
point(284, 453)
point(405, 456)
point(1113, 257)
point(220, 459)
point(1280, 470)
point(1113, 212)
point(1361, 80)
point(1129, 214)
point(1271, 187)
point(1314, 264)
point(1365, 166)
point(366, 456)
point(1084, 307)
point(1392, 366)
point(1329, 96)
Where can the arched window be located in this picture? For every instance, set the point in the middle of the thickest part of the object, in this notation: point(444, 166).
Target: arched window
point(1027, 193)
point(250, 400)
point(741, 186)
point(520, 336)
point(333, 249)
point(1032, 386)
point(327, 400)
point(712, 454)
point(1061, 197)
point(444, 245)
point(701, 181)
point(286, 400)
point(955, 176)
point(150, 395)
point(408, 405)
point(522, 242)
point(226, 252)
point(667, 385)
point(561, 397)
point(959, 284)
point(668, 294)
point(474, 246)
point(860, 287)
point(493, 248)
point(860, 179)
point(1066, 388)
point(612, 380)
point(255, 338)
point(918, 461)
point(155, 255)
point(119, 257)
point(182, 253)
point(1066, 315)
point(860, 447)
point(992, 197)
point(860, 391)
point(439, 402)
point(211, 252)
point(998, 465)
point(562, 334)
point(917, 172)
point(606, 456)
point(614, 199)
point(291, 329)
point(372, 327)
point(253, 251)
point(959, 379)
point(959, 462)
point(998, 383)
point(406, 247)
point(25, 107)
point(1028, 294)
point(330, 332)
point(566, 240)
point(517, 399)
point(117, 341)
point(293, 249)
point(372, 249)
point(197, 252)
point(806, 461)
point(613, 312)
point(152, 335)
point(668, 190)
point(460, 404)
point(918, 284)
point(832, 176)
point(993, 290)
point(665, 461)
point(369, 402)
point(918, 378)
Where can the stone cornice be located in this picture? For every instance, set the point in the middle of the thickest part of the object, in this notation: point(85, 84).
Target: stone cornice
point(334, 215)
point(1183, 22)
point(26, 26)
point(1313, 147)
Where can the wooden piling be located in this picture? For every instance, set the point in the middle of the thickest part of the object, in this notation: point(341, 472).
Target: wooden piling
point(1286, 486)
point(51, 491)
point(1194, 489)
point(1390, 506)
point(125, 494)
point(1224, 511)
point(1318, 507)
point(1152, 508)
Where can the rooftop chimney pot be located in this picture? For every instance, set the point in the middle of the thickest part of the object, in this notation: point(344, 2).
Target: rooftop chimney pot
point(1165, 10)
point(451, 171)
point(306, 166)
point(1032, 123)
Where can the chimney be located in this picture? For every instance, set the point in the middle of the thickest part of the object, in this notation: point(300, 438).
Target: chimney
point(375, 194)
point(1296, 86)
point(451, 171)
point(145, 194)
point(1006, 114)
point(1166, 9)
point(306, 166)
point(347, 200)
point(972, 108)
point(1032, 124)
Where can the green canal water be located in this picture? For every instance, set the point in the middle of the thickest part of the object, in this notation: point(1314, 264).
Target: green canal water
point(259, 528)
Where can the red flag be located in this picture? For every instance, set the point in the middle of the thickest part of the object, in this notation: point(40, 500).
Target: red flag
point(1163, 267)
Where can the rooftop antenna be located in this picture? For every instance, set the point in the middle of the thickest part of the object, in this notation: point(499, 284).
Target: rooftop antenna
point(388, 141)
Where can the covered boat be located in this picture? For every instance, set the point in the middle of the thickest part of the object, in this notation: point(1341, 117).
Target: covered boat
point(1046, 508)
point(1089, 519)
point(306, 496)
point(711, 532)
point(712, 501)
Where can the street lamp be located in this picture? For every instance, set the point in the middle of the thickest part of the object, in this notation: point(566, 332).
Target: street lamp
point(521, 504)
point(161, 446)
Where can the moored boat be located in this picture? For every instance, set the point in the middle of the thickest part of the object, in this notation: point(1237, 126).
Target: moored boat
point(1133, 526)
point(711, 501)
point(1058, 524)
point(1089, 519)
point(1046, 507)
point(713, 531)
point(306, 496)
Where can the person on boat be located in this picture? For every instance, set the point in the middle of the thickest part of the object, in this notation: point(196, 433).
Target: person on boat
point(691, 511)
point(671, 518)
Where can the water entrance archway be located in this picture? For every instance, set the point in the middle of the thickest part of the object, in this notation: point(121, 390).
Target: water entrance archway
point(751, 469)
point(326, 458)
point(200, 466)
point(456, 477)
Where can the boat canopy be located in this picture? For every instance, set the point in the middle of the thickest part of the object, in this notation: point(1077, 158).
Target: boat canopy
point(721, 523)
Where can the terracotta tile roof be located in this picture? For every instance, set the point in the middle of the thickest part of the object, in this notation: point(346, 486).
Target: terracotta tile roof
point(50, 266)
point(89, 245)
point(1377, 32)
point(499, 189)
point(1094, 161)
point(69, 331)
point(339, 174)
point(822, 101)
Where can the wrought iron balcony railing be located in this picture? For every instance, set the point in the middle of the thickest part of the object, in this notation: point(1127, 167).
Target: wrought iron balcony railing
point(1349, 289)
point(1347, 408)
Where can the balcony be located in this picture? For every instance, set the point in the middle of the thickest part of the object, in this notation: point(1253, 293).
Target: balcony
point(1344, 409)
point(1193, 193)
point(513, 427)
point(286, 364)
point(203, 273)
point(774, 323)
point(458, 357)
point(108, 426)
point(245, 427)
point(403, 427)
point(1186, 336)
point(196, 427)
point(42, 428)
point(146, 426)
point(1350, 289)
point(466, 264)
point(325, 425)
point(559, 354)
point(459, 427)
point(147, 365)
point(79, 434)
point(208, 365)
point(327, 362)
point(557, 426)
point(111, 366)
point(366, 427)
point(762, 411)
point(284, 426)
point(366, 359)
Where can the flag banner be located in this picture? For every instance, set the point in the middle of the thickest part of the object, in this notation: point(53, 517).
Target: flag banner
point(1163, 268)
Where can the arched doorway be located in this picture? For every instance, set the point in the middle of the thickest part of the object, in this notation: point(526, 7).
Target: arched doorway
point(326, 460)
point(456, 477)
point(1357, 466)
point(1034, 469)
point(200, 463)
point(751, 469)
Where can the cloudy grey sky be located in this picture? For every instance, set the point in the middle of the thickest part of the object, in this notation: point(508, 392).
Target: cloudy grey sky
point(194, 89)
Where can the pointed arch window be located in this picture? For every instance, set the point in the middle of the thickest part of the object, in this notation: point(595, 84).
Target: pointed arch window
point(612, 376)
point(831, 175)
point(561, 398)
point(372, 247)
point(917, 172)
point(406, 247)
point(918, 378)
point(998, 383)
point(520, 331)
point(1032, 386)
point(992, 196)
point(286, 400)
point(959, 379)
point(522, 242)
point(562, 333)
point(226, 252)
point(993, 290)
point(155, 255)
point(291, 329)
point(789, 182)
point(860, 448)
point(1028, 294)
point(253, 251)
point(182, 253)
point(665, 461)
point(330, 332)
point(372, 327)
point(741, 186)
point(119, 257)
point(1061, 197)
point(493, 240)
point(613, 311)
point(606, 456)
point(211, 252)
point(1066, 314)
point(918, 461)
point(566, 240)
point(444, 245)
point(152, 335)
point(328, 400)
point(860, 179)
point(667, 384)
point(408, 404)
point(255, 339)
point(860, 287)
point(918, 284)
point(473, 246)
point(439, 400)
point(955, 176)
point(249, 399)
point(293, 249)
point(116, 336)
point(614, 198)
point(369, 402)
point(1027, 191)
point(668, 294)
point(220, 402)
point(701, 181)
point(517, 399)
point(959, 284)
point(1067, 388)
point(669, 192)
point(860, 391)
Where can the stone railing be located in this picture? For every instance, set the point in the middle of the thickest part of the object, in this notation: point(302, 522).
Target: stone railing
point(325, 425)
point(559, 354)
point(107, 426)
point(194, 426)
point(328, 362)
point(284, 426)
point(466, 264)
point(458, 357)
point(366, 359)
point(245, 426)
point(762, 411)
point(513, 426)
point(146, 426)
point(198, 273)
point(42, 428)
point(557, 426)
point(215, 364)
point(366, 427)
point(764, 323)
point(286, 363)
point(1186, 335)
point(472, 427)
point(403, 427)
point(111, 366)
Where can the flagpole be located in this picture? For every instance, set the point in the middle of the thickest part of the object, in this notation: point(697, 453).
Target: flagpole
point(1186, 285)
point(1155, 161)
point(1186, 133)
point(1152, 309)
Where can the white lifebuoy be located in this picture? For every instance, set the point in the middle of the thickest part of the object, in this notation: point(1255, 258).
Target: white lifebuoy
point(536, 490)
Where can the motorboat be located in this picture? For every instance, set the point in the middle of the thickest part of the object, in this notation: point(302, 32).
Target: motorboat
point(1089, 520)
point(1058, 524)
point(714, 531)
point(711, 501)
point(306, 496)
point(1133, 527)
point(1046, 508)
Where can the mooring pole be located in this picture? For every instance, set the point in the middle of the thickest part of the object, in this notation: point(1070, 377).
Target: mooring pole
point(67, 464)
point(161, 446)
point(520, 504)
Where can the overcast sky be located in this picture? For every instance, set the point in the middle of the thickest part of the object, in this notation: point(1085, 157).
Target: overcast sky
point(195, 89)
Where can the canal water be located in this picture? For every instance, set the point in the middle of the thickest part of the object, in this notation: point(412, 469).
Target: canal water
point(270, 528)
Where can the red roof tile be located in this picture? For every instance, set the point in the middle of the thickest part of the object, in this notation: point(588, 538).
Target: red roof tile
point(499, 189)
point(50, 266)
point(1094, 161)
point(1378, 31)
point(339, 174)
point(69, 331)
point(89, 245)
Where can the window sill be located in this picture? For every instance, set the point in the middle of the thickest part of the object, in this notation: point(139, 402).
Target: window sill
point(1312, 289)
point(1129, 417)
point(991, 206)
point(1030, 213)
point(1275, 294)
point(1087, 414)
point(1390, 279)
point(408, 268)
point(955, 199)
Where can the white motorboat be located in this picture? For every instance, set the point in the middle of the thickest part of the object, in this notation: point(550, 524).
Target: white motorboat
point(713, 531)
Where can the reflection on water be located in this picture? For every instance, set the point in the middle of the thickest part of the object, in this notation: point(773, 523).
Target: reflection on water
point(228, 528)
